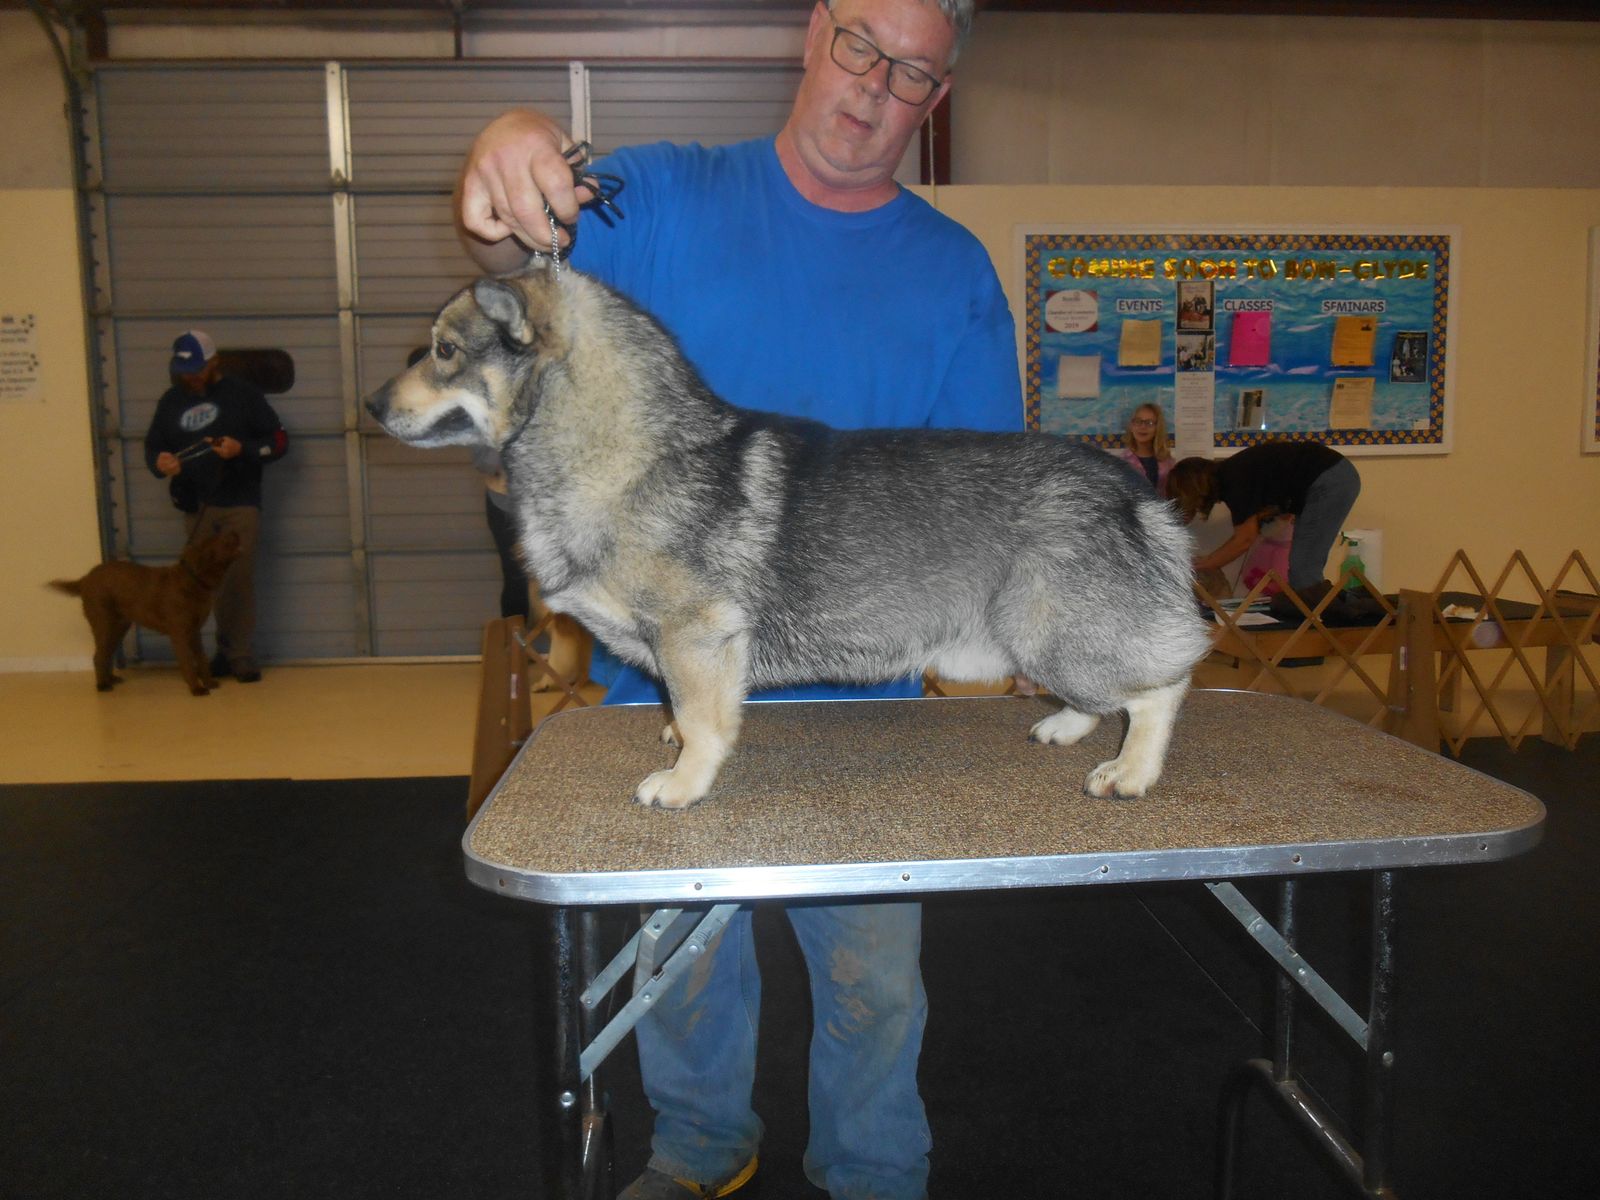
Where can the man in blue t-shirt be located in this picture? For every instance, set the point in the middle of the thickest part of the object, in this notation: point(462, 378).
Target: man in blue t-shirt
point(799, 278)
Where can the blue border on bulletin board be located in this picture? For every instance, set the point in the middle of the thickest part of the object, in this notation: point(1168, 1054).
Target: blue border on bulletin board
point(1304, 282)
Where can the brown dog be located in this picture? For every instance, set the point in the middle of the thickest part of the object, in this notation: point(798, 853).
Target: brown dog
point(174, 600)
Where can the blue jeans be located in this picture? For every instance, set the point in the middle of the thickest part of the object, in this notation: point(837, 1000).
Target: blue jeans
point(697, 1053)
point(1328, 502)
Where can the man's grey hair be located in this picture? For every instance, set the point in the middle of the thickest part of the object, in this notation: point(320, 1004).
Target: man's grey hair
point(959, 13)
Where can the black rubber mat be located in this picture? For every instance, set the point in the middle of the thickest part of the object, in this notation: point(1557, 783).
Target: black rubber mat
point(274, 989)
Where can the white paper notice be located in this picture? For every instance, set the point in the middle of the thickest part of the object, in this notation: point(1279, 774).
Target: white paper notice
point(19, 359)
point(1078, 377)
point(1194, 398)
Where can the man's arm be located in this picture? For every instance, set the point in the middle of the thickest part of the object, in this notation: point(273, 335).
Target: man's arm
point(982, 388)
point(515, 166)
point(265, 439)
point(158, 457)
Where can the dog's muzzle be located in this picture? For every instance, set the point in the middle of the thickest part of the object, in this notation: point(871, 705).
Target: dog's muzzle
point(378, 403)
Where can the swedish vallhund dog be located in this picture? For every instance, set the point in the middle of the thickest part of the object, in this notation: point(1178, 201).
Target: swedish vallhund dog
point(725, 550)
point(174, 600)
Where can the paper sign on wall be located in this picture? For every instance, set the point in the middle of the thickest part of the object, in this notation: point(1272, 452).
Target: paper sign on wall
point(1250, 344)
point(19, 359)
point(1352, 403)
point(1353, 338)
point(1194, 397)
point(1078, 377)
point(1073, 312)
point(1140, 344)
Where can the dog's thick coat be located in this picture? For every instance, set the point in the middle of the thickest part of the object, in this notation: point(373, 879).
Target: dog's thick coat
point(726, 550)
point(174, 600)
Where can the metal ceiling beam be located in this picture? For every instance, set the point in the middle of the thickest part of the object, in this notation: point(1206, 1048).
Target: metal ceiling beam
point(1507, 10)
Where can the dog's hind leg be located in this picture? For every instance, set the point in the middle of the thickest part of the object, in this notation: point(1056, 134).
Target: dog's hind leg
point(704, 670)
point(1151, 716)
point(110, 627)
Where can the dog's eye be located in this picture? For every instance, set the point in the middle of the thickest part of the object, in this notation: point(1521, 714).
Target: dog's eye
point(444, 351)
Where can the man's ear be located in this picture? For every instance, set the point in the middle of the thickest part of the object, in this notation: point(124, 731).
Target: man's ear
point(814, 29)
point(506, 304)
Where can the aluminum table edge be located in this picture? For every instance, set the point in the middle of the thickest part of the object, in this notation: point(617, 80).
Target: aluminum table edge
point(802, 881)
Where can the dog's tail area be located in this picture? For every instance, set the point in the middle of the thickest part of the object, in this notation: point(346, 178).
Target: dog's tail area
point(72, 587)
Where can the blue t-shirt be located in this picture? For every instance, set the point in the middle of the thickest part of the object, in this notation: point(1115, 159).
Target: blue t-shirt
point(887, 318)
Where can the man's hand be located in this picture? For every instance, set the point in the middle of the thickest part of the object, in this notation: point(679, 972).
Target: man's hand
point(226, 447)
point(168, 464)
point(514, 167)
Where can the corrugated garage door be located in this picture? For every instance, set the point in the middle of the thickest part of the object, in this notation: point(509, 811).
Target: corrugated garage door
point(307, 208)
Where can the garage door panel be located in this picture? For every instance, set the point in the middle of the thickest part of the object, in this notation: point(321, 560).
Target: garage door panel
point(224, 205)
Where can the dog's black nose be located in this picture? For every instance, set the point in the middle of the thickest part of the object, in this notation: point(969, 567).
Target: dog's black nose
point(377, 404)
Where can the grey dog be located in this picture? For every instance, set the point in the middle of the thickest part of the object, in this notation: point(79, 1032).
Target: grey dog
point(726, 550)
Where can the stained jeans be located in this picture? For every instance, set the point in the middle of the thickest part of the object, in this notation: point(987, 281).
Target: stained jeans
point(697, 1053)
point(1328, 502)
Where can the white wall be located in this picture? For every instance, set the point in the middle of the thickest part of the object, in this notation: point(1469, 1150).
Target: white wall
point(1096, 98)
point(48, 521)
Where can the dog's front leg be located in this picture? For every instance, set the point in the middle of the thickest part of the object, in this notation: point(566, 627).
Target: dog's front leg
point(192, 660)
point(207, 680)
point(1144, 747)
point(704, 669)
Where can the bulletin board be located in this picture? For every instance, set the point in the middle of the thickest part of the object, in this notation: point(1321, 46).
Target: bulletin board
point(1241, 336)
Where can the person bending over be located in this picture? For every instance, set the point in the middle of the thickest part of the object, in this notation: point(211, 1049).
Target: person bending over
point(1313, 483)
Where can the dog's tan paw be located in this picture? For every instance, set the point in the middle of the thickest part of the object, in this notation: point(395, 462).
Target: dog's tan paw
point(669, 735)
point(1119, 780)
point(1065, 728)
point(667, 789)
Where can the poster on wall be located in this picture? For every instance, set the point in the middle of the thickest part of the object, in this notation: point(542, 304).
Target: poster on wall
point(1591, 399)
point(1335, 336)
point(20, 382)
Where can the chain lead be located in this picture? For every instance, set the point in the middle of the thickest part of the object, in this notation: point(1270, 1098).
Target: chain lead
point(603, 189)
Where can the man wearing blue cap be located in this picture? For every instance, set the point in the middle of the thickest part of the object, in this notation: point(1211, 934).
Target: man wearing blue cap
point(209, 438)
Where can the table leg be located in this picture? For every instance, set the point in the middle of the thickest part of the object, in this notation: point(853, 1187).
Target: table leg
point(557, 1084)
point(1560, 680)
point(1377, 1135)
point(1276, 1075)
point(598, 1138)
point(1366, 1167)
point(1413, 679)
point(1284, 993)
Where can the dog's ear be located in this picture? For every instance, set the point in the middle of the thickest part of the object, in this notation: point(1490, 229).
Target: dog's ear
point(506, 304)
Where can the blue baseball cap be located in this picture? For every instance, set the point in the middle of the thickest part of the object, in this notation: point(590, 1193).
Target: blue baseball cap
point(191, 352)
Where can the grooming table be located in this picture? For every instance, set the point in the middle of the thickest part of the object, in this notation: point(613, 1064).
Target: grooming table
point(900, 797)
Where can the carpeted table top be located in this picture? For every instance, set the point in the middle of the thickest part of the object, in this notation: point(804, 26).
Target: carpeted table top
point(872, 797)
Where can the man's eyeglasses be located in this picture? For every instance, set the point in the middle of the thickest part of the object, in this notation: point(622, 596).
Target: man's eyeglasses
point(911, 85)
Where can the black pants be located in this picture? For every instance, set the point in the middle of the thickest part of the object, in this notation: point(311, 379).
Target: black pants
point(513, 580)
